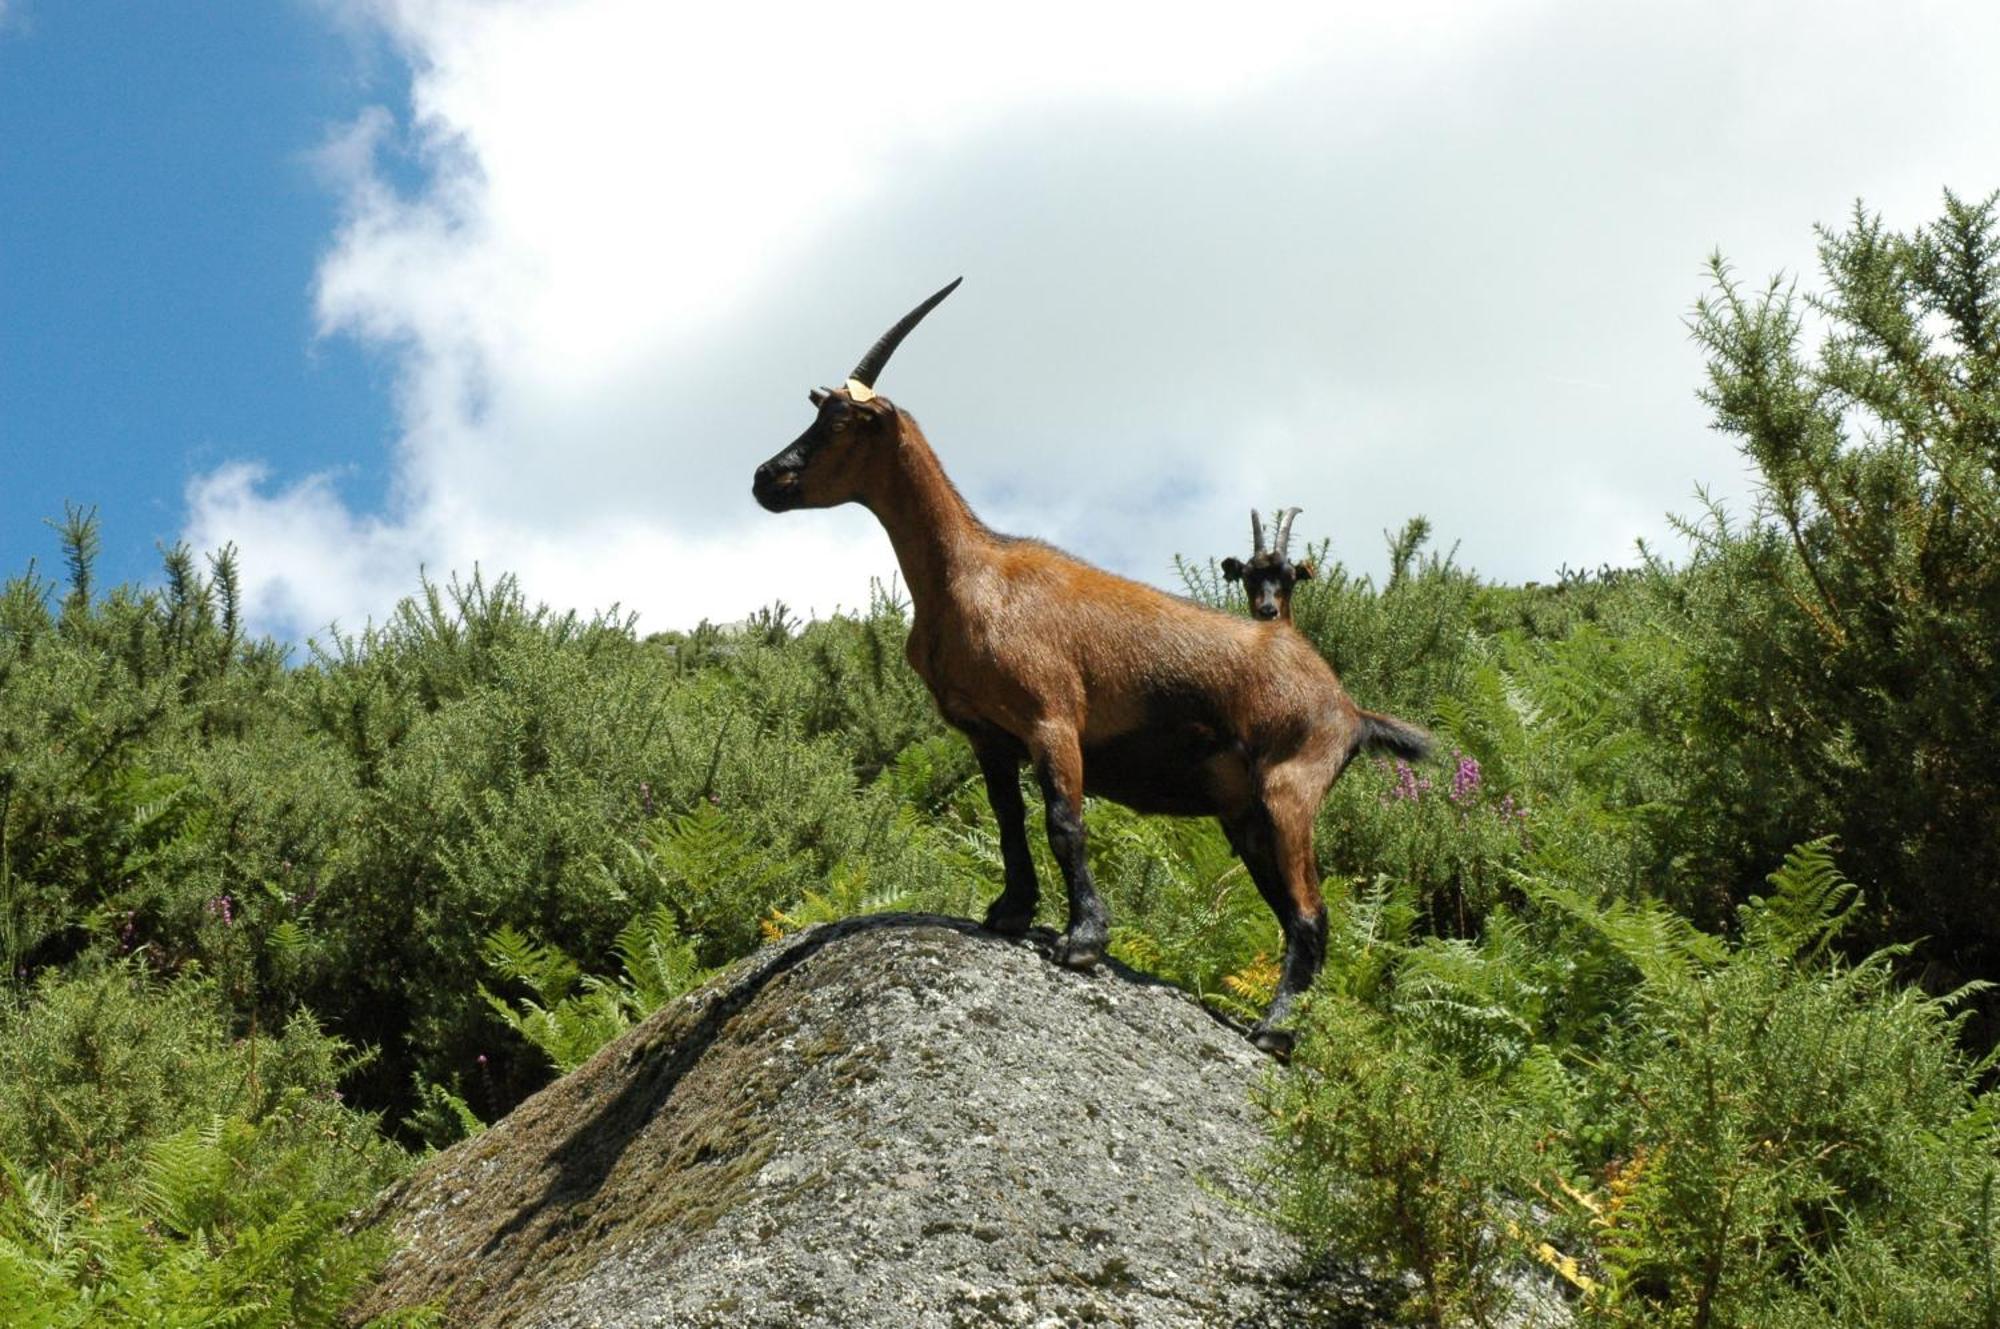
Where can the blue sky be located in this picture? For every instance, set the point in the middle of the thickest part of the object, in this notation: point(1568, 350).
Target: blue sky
point(161, 220)
point(373, 286)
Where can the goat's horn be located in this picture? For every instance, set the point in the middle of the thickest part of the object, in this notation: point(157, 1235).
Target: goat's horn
point(1285, 530)
point(878, 355)
point(1256, 534)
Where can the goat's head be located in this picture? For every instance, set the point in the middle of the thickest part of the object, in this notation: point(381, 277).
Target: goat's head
point(831, 461)
point(1270, 574)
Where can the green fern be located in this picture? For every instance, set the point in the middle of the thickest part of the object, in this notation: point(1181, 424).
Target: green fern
point(849, 891)
point(719, 877)
point(546, 971)
point(1185, 907)
point(567, 1030)
point(187, 1185)
point(228, 1228)
point(1669, 952)
point(441, 1117)
point(1809, 905)
point(1482, 1004)
point(659, 963)
point(1366, 940)
point(568, 1015)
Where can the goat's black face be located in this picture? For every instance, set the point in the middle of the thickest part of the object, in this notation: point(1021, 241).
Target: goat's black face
point(1267, 580)
point(827, 464)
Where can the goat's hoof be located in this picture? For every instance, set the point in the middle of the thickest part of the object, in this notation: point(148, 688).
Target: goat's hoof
point(1277, 1042)
point(1078, 952)
point(1008, 922)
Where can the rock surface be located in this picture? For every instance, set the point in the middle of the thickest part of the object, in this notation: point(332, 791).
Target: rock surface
point(892, 1120)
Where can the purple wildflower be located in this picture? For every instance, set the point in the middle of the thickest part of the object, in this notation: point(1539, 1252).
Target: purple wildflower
point(646, 796)
point(1409, 785)
point(223, 908)
point(1465, 780)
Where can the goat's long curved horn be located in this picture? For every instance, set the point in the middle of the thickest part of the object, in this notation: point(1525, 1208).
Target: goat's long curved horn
point(878, 355)
point(1256, 534)
point(1285, 531)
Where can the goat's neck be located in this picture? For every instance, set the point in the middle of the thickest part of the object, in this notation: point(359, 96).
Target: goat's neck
point(929, 524)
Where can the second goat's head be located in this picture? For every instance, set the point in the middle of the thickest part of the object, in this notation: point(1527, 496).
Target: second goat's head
point(1270, 574)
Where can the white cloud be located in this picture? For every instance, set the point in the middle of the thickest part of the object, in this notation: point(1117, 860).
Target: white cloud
point(1372, 260)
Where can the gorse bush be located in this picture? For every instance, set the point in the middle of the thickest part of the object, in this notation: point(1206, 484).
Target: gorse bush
point(1846, 631)
point(92, 696)
point(1400, 1160)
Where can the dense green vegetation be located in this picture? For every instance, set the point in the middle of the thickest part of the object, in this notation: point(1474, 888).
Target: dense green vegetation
point(1668, 976)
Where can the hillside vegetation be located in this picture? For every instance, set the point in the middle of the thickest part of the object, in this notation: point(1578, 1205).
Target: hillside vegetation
point(1670, 974)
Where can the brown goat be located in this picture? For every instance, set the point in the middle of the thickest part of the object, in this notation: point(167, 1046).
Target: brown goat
point(1105, 686)
point(1270, 575)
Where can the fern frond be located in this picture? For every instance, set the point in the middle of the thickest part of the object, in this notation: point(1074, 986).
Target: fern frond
point(1809, 905)
point(659, 963)
point(1668, 951)
point(549, 973)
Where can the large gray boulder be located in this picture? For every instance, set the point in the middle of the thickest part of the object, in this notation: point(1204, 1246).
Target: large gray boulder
point(892, 1120)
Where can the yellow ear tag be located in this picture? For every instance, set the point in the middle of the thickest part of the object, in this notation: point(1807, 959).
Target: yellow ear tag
point(859, 391)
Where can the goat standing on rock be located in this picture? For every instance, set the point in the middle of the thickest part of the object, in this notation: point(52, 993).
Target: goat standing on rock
point(1105, 686)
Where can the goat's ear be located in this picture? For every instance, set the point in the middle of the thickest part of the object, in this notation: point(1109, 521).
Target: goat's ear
point(1303, 570)
point(1232, 569)
point(818, 397)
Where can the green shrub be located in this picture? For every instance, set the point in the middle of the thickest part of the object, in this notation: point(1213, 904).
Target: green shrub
point(1844, 634)
point(1552, 1026)
point(1411, 1161)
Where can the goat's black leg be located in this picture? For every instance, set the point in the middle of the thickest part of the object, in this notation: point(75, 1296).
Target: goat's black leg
point(1305, 953)
point(1288, 879)
point(1060, 772)
point(1014, 910)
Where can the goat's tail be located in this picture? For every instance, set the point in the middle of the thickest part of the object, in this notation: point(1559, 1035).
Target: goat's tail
point(1387, 732)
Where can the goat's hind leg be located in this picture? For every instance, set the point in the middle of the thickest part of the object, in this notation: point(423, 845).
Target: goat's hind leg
point(1059, 768)
point(1275, 844)
point(1014, 910)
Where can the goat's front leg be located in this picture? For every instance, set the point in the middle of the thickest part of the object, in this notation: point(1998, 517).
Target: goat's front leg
point(1000, 763)
point(1059, 768)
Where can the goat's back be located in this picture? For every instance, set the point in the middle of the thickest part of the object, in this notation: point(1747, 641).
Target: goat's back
point(1131, 648)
